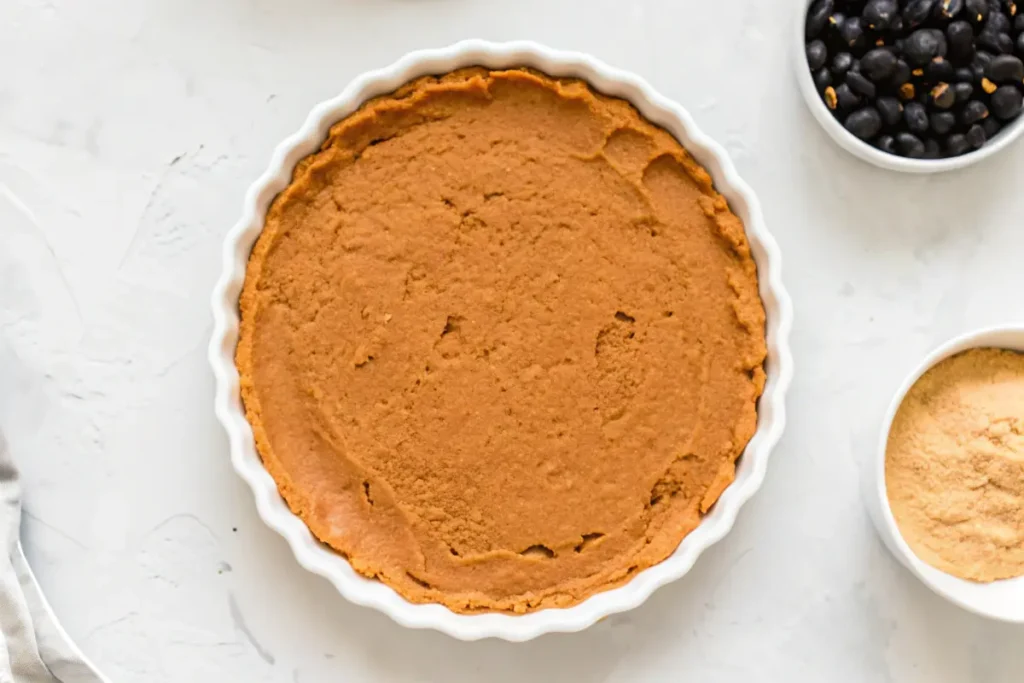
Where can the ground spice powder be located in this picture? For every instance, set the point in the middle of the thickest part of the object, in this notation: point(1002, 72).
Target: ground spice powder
point(955, 465)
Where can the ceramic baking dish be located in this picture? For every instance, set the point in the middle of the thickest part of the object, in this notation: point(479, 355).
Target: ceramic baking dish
point(317, 557)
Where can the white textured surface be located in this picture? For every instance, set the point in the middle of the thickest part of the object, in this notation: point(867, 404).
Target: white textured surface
point(109, 248)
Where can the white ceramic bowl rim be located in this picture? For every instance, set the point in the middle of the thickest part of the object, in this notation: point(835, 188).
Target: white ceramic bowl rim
point(1002, 600)
point(866, 152)
point(316, 557)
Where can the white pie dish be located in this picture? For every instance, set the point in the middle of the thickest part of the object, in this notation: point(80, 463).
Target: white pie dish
point(1001, 600)
point(317, 557)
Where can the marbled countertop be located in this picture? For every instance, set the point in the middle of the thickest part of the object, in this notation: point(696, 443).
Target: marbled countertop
point(129, 131)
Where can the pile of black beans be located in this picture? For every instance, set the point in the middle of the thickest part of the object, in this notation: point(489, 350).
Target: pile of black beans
point(923, 79)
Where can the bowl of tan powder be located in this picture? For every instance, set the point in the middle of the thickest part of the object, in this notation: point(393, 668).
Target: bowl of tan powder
point(948, 498)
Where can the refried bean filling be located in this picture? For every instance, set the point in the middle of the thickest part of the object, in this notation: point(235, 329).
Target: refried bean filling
point(501, 341)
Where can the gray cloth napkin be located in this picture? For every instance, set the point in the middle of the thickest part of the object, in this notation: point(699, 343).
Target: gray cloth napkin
point(33, 646)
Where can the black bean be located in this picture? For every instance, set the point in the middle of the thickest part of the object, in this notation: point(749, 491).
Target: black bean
point(1018, 22)
point(817, 53)
point(963, 92)
point(890, 109)
point(841, 63)
point(879, 14)
point(896, 25)
point(1006, 102)
point(900, 74)
point(996, 43)
point(864, 123)
point(860, 84)
point(947, 9)
point(822, 79)
point(817, 16)
point(835, 21)
point(973, 111)
point(976, 136)
point(939, 69)
point(960, 37)
point(916, 117)
point(846, 98)
point(987, 40)
point(886, 143)
point(878, 64)
point(932, 150)
point(942, 96)
point(1005, 69)
point(1019, 46)
point(917, 12)
point(977, 11)
point(963, 74)
point(909, 145)
point(979, 64)
point(997, 22)
point(851, 31)
point(941, 122)
point(957, 144)
point(924, 44)
point(991, 126)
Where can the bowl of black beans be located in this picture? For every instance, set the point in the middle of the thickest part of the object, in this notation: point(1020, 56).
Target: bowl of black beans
point(915, 85)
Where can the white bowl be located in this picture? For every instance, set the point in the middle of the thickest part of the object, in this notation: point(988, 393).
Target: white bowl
point(863, 150)
point(315, 556)
point(1002, 600)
